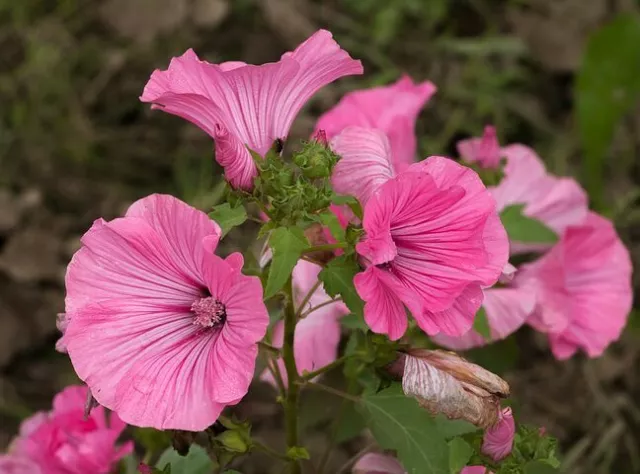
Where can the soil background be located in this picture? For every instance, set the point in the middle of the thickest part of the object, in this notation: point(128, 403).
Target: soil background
point(76, 144)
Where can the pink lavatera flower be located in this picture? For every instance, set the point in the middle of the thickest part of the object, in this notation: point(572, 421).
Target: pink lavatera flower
point(64, 441)
point(497, 442)
point(376, 463)
point(163, 331)
point(392, 109)
point(475, 470)
point(432, 240)
point(483, 150)
point(245, 106)
point(317, 335)
point(582, 287)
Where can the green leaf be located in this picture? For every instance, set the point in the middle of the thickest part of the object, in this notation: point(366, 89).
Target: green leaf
point(331, 221)
point(197, 461)
point(354, 321)
point(450, 428)
point(297, 453)
point(539, 467)
point(397, 422)
point(459, 454)
point(228, 217)
point(481, 324)
point(351, 424)
point(287, 244)
point(607, 87)
point(151, 439)
point(337, 277)
point(521, 228)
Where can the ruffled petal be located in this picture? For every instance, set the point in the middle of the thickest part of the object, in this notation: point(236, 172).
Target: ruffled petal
point(456, 320)
point(181, 227)
point(384, 311)
point(12, 464)
point(365, 162)
point(393, 109)
point(126, 258)
point(484, 150)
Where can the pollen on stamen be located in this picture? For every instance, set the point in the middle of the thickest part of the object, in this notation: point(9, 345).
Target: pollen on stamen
point(208, 312)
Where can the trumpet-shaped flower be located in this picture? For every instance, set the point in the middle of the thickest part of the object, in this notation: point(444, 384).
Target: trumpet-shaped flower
point(582, 287)
point(163, 331)
point(242, 106)
point(391, 109)
point(432, 238)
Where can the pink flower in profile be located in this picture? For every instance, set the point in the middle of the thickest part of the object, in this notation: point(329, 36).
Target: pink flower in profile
point(64, 441)
point(163, 331)
point(582, 287)
point(475, 470)
point(432, 240)
point(376, 463)
point(392, 109)
point(497, 442)
point(245, 106)
point(484, 150)
point(317, 335)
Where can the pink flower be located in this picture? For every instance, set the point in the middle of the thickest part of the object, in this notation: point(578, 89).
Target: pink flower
point(475, 470)
point(582, 287)
point(484, 150)
point(433, 240)
point(557, 202)
point(376, 463)
point(392, 109)
point(245, 106)
point(65, 442)
point(12, 464)
point(163, 331)
point(507, 309)
point(498, 441)
point(317, 335)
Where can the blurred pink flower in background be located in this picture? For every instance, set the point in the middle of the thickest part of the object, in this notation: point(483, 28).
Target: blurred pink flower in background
point(317, 335)
point(163, 331)
point(432, 240)
point(582, 287)
point(241, 105)
point(63, 441)
point(498, 440)
point(391, 109)
point(377, 463)
point(484, 150)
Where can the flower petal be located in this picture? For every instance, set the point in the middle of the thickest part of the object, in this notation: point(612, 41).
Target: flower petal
point(392, 109)
point(456, 320)
point(497, 442)
point(365, 162)
point(376, 463)
point(181, 227)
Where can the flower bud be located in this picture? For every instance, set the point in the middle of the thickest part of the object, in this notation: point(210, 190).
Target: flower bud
point(443, 382)
point(315, 160)
point(233, 441)
point(498, 440)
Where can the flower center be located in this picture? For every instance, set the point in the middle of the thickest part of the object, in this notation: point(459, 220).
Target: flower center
point(209, 312)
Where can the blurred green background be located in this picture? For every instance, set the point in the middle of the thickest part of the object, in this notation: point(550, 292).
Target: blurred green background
point(562, 76)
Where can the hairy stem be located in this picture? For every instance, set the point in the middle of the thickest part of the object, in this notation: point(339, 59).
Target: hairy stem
point(326, 368)
point(321, 305)
point(307, 297)
point(291, 401)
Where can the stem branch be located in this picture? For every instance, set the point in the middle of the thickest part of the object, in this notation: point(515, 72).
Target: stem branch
point(291, 401)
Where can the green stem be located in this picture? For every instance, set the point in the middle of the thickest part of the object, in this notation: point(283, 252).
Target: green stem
point(326, 368)
point(270, 451)
point(307, 297)
point(291, 401)
point(333, 391)
point(322, 248)
point(325, 303)
point(269, 348)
